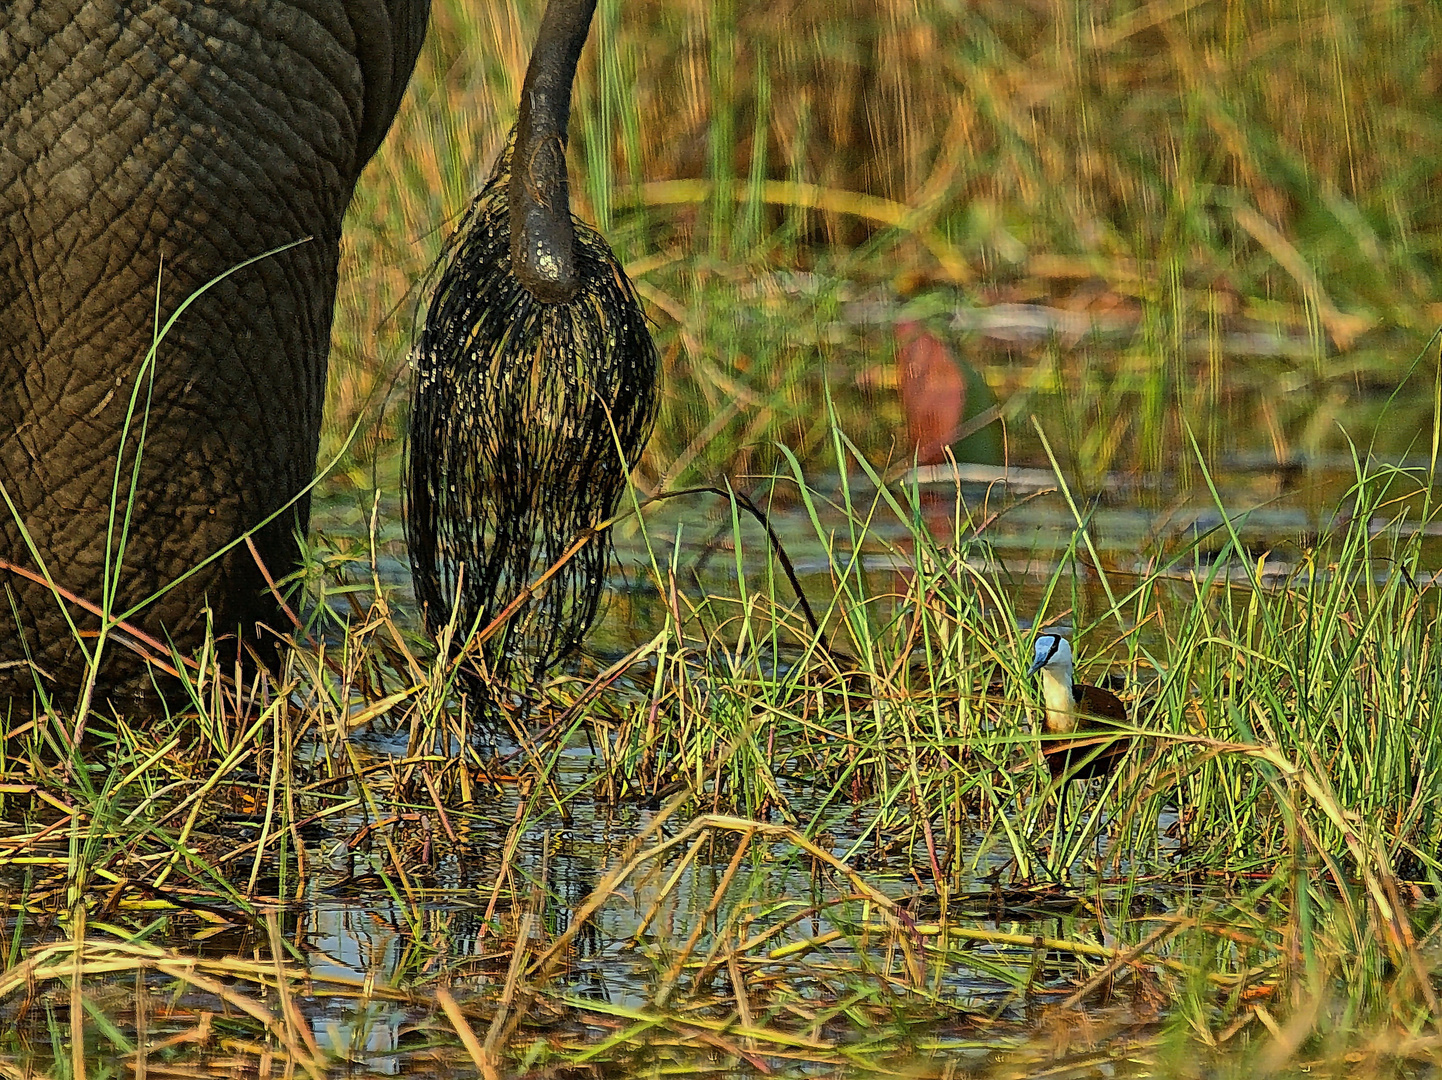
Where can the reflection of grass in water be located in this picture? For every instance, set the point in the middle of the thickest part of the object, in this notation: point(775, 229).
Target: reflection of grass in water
point(853, 859)
point(1204, 170)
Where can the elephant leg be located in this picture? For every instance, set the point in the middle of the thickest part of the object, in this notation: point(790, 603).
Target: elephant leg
point(147, 150)
point(224, 435)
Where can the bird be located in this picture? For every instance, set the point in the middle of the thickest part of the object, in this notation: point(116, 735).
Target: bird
point(944, 399)
point(932, 390)
point(1073, 707)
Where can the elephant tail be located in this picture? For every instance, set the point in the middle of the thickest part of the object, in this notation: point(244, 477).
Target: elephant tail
point(543, 242)
point(535, 393)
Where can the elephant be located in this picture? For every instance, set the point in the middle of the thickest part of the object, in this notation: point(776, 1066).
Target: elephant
point(149, 150)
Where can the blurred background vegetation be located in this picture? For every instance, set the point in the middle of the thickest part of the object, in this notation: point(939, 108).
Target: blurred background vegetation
point(1128, 218)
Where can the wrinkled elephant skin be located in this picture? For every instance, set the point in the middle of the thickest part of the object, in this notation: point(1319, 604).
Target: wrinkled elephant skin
point(159, 143)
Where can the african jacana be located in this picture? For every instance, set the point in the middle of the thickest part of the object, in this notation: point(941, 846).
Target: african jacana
point(1073, 707)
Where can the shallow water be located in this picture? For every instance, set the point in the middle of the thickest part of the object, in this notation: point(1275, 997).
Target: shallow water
point(1026, 517)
